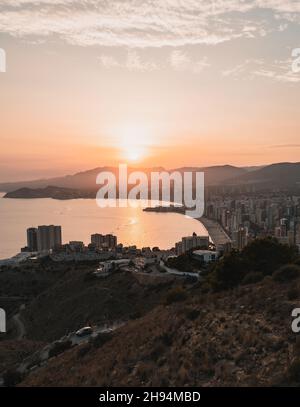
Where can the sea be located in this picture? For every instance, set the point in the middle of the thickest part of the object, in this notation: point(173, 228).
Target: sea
point(80, 218)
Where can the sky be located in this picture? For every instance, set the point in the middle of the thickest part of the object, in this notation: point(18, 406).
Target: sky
point(155, 83)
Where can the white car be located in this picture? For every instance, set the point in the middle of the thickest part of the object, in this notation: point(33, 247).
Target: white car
point(86, 331)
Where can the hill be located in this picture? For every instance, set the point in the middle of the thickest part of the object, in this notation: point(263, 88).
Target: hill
point(86, 181)
point(281, 174)
point(239, 337)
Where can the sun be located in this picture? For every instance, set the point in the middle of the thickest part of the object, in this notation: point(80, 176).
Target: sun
point(134, 142)
point(134, 153)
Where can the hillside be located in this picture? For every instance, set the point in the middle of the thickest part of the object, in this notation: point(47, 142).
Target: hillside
point(49, 192)
point(281, 174)
point(233, 327)
point(78, 299)
point(86, 181)
point(239, 337)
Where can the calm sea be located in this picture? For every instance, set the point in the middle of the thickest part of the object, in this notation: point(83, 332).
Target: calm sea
point(80, 218)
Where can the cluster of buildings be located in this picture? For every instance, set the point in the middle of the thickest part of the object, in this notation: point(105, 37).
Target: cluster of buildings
point(47, 240)
point(246, 217)
point(43, 238)
point(190, 243)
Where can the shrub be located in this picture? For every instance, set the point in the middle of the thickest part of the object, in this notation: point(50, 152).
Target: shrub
point(228, 272)
point(101, 339)
point(287, 273)
point(261, 256)
point(176, 295)
point(252, 278)
point(59, 347)
point(266, 255)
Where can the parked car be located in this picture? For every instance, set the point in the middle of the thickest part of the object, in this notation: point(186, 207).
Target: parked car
point(86, 331)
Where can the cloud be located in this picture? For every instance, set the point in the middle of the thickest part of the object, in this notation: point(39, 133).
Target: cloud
point(286, 146)
point(144, 23)
point(181, 62)
point(280, 70)
point(133, 62)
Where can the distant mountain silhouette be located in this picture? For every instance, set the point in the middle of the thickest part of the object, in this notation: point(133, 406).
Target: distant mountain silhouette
point(87, 180)
point(281, 174)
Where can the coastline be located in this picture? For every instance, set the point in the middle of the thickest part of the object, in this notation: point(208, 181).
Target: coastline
point(215, 231)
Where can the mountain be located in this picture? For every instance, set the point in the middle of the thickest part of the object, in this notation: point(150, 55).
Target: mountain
point(281, 175)
point(86, 181)
point(231, 338)
point(49, 192)
point(278, 175)
point(216, 174)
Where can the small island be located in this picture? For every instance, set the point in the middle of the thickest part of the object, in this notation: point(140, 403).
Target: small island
point(166, 209)
point(49, 192)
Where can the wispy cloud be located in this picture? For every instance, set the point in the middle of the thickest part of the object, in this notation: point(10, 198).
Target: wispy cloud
point(132, 62)
point(286, 146)
point(181, 62)
point(279, 70)
point(143, 23)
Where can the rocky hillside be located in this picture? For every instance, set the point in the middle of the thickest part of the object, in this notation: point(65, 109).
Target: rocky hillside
point(240, 336)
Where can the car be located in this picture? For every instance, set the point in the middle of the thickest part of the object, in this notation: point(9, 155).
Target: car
point(86, 331)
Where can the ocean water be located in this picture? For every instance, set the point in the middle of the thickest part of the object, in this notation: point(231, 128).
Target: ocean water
point(80, 218)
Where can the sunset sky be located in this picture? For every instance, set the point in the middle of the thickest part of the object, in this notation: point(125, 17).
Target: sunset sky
point(162, 82)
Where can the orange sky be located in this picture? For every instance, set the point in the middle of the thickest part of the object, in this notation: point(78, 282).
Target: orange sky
point(71, 102)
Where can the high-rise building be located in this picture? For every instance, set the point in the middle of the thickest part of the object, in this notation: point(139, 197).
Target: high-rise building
point(48, 237)
point(104, 241)
point(241, 238)
point(97, 240)
point(111, 241)
point(192, 242)
point(32, 239)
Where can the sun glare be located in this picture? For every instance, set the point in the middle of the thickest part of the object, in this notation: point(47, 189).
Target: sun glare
point(134, 142)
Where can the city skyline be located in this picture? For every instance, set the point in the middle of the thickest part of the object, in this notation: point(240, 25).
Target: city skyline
point(101, 83)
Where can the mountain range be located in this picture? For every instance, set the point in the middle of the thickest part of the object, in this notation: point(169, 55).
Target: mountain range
point(274, 175)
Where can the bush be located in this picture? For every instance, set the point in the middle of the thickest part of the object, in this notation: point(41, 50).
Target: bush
point(101, 339)
point(287, 273)
point(262, 256)
point(252, 278)
point(228, 272)
point(59, 347)
point(175, 295)
point(11, 378)
point(266, 255)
